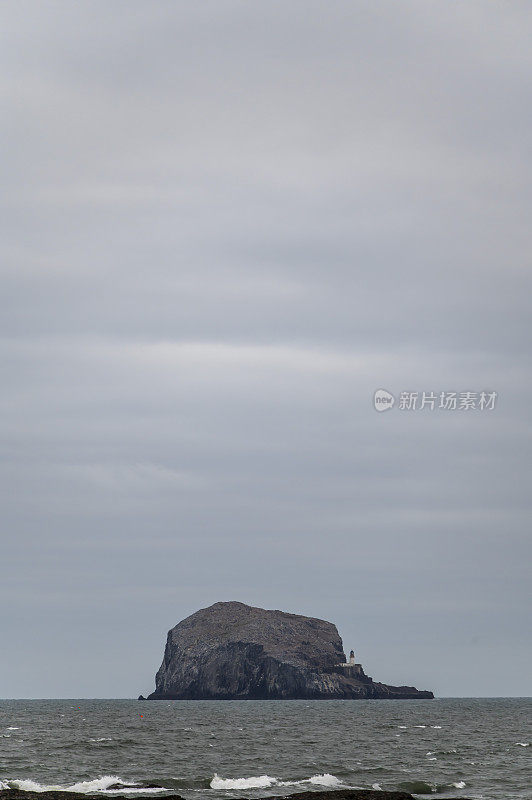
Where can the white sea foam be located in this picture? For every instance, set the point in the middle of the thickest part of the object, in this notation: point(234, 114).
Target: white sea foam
point(523, 744)
point(266, 781)
point(82, 787)
point(24, 785)
point(325, 780)
point(436, 727)
point(420, 726)
point(102, 739)
point(376, 786)
point(403, 727)
point(257, 782)
point(12, 728)
point(459, 785)
point(99, 784)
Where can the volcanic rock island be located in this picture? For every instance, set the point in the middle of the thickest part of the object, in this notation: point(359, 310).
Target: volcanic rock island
point(232, 651)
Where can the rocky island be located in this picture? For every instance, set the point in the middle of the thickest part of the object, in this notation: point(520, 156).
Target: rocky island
point(232, 651)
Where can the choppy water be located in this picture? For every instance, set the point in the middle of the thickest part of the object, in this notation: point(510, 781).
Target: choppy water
point(468, 747)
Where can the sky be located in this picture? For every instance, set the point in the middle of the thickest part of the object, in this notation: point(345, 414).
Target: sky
point(224, 226)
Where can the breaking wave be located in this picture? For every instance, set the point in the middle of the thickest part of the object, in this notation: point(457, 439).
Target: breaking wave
point(258, 782)
point(106, 783)
point(266, 781)
point(324, 780)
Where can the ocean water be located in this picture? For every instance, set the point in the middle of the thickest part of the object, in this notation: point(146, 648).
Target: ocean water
point(478, 748)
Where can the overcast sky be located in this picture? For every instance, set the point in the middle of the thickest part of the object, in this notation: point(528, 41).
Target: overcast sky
point(225, 224)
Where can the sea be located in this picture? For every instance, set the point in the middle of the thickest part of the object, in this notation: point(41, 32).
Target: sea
point(476, 748)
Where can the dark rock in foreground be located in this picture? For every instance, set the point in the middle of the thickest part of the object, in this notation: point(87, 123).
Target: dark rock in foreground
point(351, 794)
point(333, 794)
point(231, 651)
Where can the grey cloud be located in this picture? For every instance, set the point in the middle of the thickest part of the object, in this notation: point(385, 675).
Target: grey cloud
point(225, 225)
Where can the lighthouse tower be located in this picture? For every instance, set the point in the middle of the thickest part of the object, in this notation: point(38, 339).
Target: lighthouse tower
point(352, 657)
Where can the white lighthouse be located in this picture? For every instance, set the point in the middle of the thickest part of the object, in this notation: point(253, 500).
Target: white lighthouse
point(352, 658)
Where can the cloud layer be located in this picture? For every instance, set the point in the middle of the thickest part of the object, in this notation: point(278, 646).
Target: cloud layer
point(224, 226)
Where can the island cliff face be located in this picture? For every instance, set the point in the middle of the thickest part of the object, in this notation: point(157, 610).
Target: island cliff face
point(231, 651)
